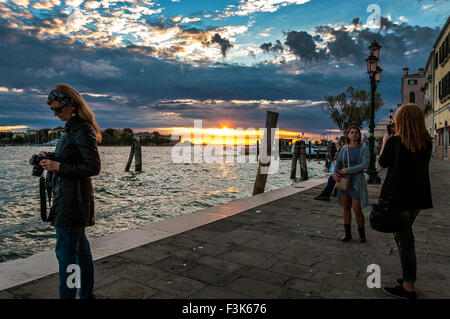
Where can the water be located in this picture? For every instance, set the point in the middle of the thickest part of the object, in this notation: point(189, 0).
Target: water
point(124, 200)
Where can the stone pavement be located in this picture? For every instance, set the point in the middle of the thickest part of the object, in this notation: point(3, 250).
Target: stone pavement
point(285, 249)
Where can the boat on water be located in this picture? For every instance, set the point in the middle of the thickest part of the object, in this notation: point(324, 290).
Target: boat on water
point(312, 150)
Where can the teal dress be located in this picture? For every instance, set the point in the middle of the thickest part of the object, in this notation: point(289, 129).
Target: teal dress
point(359, 161)
point(353, 153)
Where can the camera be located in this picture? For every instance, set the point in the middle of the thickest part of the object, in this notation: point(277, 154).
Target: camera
point(391, 128)
point(37, 169)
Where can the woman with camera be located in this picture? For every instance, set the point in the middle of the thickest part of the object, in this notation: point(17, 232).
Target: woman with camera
point(351, 162)
point(407, 186)
point(74, 161)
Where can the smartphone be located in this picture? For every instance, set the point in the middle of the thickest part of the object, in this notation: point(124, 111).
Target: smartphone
point(391, 128)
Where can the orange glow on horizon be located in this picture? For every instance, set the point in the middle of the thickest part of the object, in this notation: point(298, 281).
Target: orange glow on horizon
point(13, 127)
point(231, 136)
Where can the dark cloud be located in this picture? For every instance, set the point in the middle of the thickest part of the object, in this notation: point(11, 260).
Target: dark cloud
point(317, 38)
point(401, 43)
point(224, 44)
point(125, 86)
point(302, 44)
point(275, 48)
point(128, 88)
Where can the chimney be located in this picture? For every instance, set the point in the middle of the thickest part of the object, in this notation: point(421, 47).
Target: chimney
point(405, 71)
point(421, 71)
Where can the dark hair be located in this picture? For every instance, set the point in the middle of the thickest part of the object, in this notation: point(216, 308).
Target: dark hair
point(352, 127)
point(341, 140)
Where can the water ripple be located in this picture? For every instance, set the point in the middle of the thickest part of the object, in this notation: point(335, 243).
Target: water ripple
point(124, 200)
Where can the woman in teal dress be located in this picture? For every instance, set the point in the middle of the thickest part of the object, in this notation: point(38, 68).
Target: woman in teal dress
point(356, 196)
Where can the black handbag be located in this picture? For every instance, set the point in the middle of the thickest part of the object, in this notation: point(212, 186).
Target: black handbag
point(385, 217)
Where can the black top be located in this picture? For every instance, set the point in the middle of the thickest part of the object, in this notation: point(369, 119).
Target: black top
point(408, 184)
point(73, 193)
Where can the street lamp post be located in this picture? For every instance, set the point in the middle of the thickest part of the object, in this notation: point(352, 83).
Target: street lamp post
point(375, 76)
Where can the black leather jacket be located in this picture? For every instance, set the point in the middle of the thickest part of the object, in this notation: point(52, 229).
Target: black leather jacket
point(407, 184)
point(73, 193)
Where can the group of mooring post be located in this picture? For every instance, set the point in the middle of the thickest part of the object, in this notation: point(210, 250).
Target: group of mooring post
point(299, 155)
point(136, 152)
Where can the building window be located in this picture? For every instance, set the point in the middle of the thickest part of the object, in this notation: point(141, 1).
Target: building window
point(444, 86)
point(444, 50)
point(412, 82)
point(412, 97)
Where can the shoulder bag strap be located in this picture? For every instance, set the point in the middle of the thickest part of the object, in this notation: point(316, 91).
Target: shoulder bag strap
point(348, 158)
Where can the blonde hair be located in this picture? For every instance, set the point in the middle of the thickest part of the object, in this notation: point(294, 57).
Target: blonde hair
point(81, 108)
point(410, 126)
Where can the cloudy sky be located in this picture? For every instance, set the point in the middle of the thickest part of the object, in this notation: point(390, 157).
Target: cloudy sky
point(149, 64)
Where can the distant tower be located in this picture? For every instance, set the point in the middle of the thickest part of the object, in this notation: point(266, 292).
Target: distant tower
point(412, 87)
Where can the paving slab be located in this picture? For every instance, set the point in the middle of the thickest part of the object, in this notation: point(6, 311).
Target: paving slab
point(280, 245)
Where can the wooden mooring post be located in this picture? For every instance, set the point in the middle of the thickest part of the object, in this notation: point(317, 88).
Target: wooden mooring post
point(137, 154)
point(264, 159)
point(303, 167)
point(257, 149)
point(295, 156)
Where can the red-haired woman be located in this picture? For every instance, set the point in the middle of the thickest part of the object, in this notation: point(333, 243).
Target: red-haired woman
point(407, 186)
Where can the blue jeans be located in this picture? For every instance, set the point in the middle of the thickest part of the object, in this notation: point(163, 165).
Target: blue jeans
point(329, 188)
point(72, 247)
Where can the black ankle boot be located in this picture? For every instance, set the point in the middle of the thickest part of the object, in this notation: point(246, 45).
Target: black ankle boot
point(348, 233)
point(362, 234)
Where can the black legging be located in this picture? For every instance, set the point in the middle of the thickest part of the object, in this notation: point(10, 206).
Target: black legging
point(406, 245)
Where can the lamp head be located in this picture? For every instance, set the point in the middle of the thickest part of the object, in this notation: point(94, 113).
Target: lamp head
point(371, 64)
point(375, 48)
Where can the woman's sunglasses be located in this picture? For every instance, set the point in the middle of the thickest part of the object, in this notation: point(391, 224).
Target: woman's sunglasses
point(57, 109)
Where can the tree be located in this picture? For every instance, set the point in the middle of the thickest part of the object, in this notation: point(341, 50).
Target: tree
point(109, 132)
point(126, 136)
point(128, 131)
point(156, 134)
point(351, 107)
